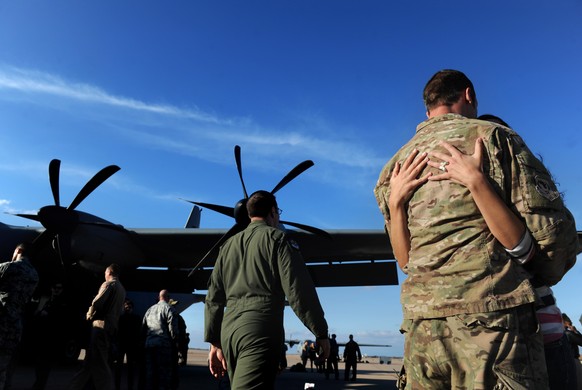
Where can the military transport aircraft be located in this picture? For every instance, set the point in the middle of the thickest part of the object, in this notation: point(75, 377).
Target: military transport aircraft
point(76, 246)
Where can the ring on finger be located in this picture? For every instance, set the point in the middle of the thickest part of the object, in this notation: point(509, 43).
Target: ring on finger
point(443, 166)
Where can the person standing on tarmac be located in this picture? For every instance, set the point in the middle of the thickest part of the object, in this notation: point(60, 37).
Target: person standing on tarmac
point(104, 314)
point(332, 360)
point(468, 209)
point(255, 270)
point(352, 356)
point(160, 326)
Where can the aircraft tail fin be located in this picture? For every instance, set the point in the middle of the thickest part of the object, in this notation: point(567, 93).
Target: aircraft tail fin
point(194, 218)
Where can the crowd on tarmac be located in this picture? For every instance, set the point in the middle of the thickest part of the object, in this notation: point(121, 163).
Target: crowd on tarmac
point(476, 223)
point(145, 351)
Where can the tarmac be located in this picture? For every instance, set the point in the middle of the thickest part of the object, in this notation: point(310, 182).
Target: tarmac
point(372, 375)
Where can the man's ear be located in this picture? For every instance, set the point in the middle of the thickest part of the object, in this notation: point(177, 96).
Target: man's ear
point(468, 95)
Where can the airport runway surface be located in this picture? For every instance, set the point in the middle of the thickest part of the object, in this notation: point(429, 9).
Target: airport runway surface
point(195, 375)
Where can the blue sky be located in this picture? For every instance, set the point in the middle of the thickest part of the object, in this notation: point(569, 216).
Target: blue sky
point(166, 89)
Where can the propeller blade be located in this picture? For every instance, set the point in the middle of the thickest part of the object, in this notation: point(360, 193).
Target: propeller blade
point(34, 217)
point(308, 228)
point(92, 184)
point(239, 168)
point(54, 169)
point(293, 174)
point(224, 210)
point(231, 232)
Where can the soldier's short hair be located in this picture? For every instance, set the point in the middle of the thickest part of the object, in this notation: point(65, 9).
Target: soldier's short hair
point(113, 269)
point(261, 203)
point(445, 88)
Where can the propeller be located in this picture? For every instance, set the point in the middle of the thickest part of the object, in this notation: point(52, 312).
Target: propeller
point(239, 211)
point(236, 228)
point(60, 222)
point(298, 170)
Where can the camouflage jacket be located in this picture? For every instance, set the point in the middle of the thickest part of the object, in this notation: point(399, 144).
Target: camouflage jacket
point(455, 264)
point(254, 272)
point(18, 279)
point(160, 324)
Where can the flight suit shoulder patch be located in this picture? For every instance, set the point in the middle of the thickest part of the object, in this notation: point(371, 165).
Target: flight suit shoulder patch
point(293, 244)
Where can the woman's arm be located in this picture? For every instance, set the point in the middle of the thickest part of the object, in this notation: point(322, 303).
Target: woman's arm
point(403, 183)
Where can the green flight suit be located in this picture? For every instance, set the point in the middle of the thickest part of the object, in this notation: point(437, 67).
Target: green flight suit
point(255, 270)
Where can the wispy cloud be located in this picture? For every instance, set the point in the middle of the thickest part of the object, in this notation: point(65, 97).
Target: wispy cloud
point(31, 81)
point(192, 131)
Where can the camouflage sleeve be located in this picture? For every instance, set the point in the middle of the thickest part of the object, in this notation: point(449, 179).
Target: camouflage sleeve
point(299, 288)
point(533, 194)
point(173, 324)
point(214, 306)
point(144, 322)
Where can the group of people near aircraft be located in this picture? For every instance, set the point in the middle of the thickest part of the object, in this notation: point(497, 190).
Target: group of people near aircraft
point(476, 223)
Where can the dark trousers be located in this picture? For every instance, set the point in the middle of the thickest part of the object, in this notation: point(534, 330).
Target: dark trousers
point(158, 368)
point(132, 366)
point(353, 364)
point(96, 367)
point(332, 366)
point(561, 365)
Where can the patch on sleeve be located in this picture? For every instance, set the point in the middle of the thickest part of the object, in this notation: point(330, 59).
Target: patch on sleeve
point(545, 188)
point(293, 244)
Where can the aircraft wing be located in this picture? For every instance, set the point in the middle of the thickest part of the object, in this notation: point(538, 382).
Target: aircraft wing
point(154, 259)
point(349, 258)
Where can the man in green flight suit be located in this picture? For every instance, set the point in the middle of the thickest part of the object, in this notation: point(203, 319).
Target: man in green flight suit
point(255, 270)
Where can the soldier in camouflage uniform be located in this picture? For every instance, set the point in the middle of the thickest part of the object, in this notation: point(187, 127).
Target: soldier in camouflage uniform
point(254, 272)
point(460, 225)
point(160, 325)
point(18, 279)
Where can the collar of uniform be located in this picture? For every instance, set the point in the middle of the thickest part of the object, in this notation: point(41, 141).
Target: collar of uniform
point(258, 222)
point(436, 119)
